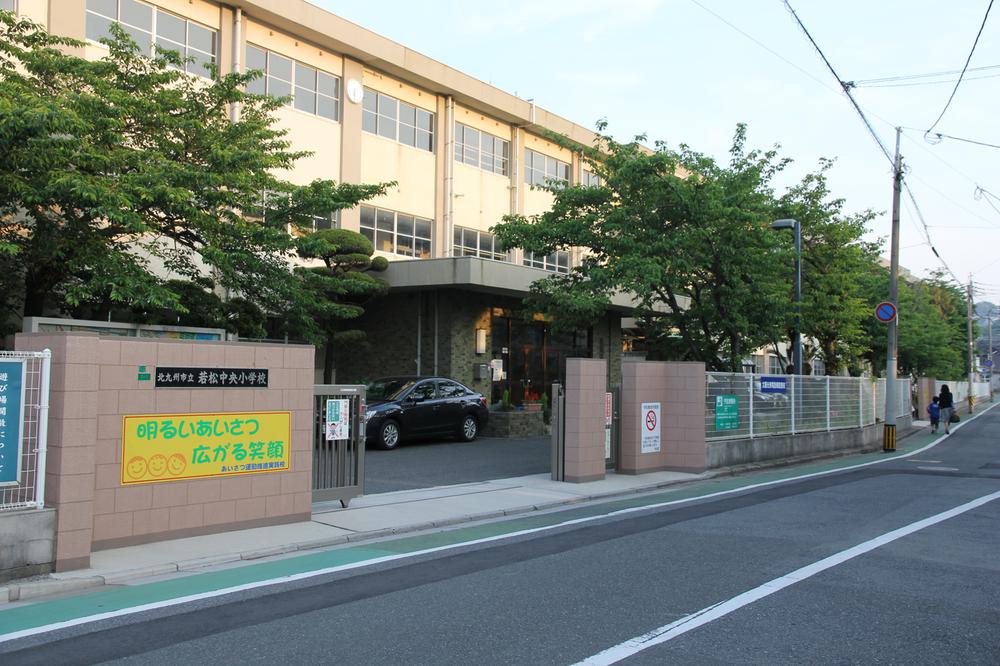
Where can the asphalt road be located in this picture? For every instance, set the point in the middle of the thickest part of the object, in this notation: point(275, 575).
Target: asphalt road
point(425, 464)
point(929, 596)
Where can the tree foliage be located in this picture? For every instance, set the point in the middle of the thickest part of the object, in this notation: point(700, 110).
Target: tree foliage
point(336, 291)
point(124, 173)
point(834, 257)
point(688, 237)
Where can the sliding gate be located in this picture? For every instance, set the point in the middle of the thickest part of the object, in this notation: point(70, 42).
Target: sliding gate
point(338, 442)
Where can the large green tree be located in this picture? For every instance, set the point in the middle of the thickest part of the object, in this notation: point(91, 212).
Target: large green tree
point(931, 329)
point(687, 236)
point(336, 291)
point(834, 258)
point(120, 173)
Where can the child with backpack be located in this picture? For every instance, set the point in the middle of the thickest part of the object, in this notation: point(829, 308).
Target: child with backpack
point(935, 413)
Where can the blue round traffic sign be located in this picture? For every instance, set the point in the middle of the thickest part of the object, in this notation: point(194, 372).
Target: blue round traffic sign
point(885, 312)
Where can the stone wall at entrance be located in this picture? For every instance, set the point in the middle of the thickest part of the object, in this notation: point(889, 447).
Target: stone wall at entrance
point(679, 388)
point(97, 381)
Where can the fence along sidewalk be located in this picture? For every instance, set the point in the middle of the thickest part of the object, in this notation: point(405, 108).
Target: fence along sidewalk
point(739, 405)
point(24, 409)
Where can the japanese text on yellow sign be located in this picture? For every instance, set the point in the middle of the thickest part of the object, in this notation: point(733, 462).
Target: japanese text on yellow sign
point(171, 447)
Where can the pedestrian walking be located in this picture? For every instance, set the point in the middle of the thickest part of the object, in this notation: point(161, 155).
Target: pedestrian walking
point(946, 405)
point(934, 410)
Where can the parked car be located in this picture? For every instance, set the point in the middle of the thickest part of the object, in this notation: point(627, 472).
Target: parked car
point(415, 407)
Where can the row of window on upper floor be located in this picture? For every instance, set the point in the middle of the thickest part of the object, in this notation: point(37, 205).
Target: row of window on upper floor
point(314, 91)
point(8, 5)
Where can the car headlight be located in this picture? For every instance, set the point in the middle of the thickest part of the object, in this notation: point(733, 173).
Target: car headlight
point(368, 415)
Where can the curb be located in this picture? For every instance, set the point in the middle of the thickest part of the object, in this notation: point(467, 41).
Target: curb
point(33, 589)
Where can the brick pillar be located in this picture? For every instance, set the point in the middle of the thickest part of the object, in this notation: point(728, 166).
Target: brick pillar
point(586, 383)
point(679, 388)
point(72, 442)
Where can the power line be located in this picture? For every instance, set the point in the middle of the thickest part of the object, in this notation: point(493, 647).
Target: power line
point(967, 60)
point(940, 136)
point(910, 77)
point(765, 47)
point(844, 86)
point(923, 83)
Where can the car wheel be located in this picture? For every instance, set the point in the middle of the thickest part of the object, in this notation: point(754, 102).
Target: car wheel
point(388, 435)
point(470, 428)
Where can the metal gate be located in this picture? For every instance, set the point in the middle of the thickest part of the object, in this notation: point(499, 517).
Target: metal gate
point(338, 442)
point(612, 429)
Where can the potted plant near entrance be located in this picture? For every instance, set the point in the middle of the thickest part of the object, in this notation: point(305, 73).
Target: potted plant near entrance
point(532, 401)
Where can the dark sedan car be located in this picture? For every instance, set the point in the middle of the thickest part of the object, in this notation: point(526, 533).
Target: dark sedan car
point(415, 407)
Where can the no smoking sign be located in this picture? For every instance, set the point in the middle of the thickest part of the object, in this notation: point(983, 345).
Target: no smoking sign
point(650, 415)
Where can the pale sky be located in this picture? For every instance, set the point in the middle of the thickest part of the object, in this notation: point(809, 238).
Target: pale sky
point(672, 70)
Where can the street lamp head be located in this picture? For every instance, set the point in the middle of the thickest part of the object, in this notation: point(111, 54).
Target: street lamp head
point(784, 224)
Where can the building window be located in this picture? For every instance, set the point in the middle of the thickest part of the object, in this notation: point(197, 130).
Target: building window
point(8, 5)
point(557, 262)
point(148, 26)
point(479, 149)
point(475, 243)
point(397, 120)
point(541, 169)
point(589, 179)
point(310, 89)
point(396, 233)
point(316, 222)
point(774, 366)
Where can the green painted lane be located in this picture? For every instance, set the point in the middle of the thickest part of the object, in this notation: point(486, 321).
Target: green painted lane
point(109, 600)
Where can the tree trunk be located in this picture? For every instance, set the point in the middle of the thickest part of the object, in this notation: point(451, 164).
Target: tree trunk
point(328, 361)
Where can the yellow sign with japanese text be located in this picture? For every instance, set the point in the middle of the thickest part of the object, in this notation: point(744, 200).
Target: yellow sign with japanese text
point(171, 447)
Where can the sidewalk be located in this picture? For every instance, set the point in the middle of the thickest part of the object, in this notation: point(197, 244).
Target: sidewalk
point(378, 516)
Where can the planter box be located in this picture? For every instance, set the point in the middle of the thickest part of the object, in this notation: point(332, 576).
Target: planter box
point(532, 406)
point(515, 424)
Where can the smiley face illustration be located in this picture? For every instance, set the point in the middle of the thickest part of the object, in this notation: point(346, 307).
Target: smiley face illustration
point(176, 464)
point(136, 467)
point(158, 464)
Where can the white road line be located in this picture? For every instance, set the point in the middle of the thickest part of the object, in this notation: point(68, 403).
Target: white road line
point(166, 603)
point(938, 469)
point(670, 631)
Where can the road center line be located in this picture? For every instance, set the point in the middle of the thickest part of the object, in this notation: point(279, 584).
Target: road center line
point(679, 627)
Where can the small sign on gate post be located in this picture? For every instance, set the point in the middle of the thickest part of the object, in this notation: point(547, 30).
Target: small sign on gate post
point(608, 420)
point(649, 423)
point(11, 418)
point(338, 419)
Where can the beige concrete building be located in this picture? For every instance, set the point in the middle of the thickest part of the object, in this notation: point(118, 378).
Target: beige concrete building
point(463, 154)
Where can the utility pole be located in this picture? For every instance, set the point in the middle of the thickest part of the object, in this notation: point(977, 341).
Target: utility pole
point(889, 433)
point(972, 353)
point(989, 352)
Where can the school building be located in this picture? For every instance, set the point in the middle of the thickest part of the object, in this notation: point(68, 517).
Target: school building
point(463, 153)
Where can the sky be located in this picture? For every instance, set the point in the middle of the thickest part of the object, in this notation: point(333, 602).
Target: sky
point(687, 71)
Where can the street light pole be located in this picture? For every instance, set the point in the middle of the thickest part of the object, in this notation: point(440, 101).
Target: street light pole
point(795, 226)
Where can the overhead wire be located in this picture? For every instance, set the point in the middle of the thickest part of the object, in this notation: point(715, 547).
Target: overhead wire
point(875, 136)
point(939, 136)
point(910, 77)
point(966, 67)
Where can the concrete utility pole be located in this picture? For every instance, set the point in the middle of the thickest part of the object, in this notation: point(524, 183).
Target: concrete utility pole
point(972, 353)
point(889, 433)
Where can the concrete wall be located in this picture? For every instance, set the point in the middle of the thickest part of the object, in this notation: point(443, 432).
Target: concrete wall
point(95, 384)
point(726, 453)
point(586, 384)
point(680, 390)
point(27, 540)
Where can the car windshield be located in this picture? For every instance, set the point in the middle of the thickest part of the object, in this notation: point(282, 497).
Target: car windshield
point(387, 389)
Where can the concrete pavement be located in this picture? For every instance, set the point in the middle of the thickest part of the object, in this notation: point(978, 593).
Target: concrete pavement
point(374, 517)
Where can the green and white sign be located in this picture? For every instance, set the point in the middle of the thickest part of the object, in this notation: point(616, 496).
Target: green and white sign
point(727, 412)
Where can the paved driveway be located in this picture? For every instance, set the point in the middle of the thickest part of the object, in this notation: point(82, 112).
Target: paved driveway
point(443, 463)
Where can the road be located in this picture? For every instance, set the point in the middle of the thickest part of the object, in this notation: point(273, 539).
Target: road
point(429, 463)
point(894, 563)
